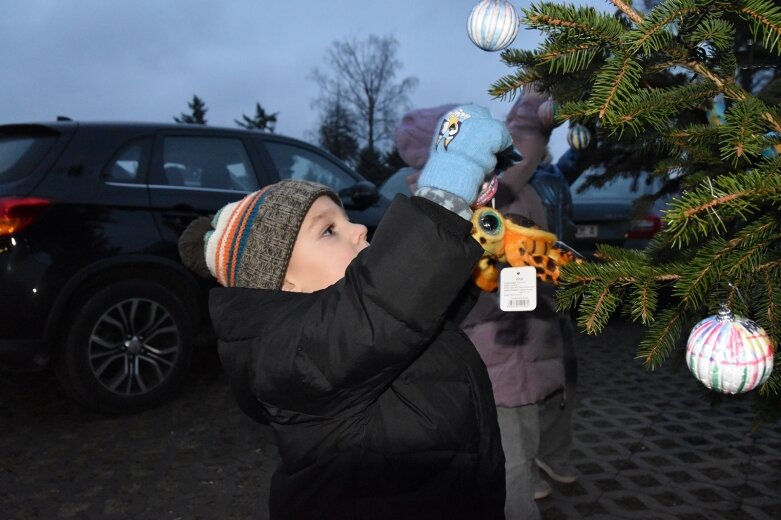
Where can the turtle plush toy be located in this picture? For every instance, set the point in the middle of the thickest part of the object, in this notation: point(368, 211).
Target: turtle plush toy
point(516, 241)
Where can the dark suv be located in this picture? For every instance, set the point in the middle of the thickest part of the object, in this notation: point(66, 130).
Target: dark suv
point(90, 213)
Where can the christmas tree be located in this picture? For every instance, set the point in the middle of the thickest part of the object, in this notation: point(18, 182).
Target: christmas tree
point(652, 83)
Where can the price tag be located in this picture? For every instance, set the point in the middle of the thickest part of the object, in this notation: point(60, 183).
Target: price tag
point(518, 289)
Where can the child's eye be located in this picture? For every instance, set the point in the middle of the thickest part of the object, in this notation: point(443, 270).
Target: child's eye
point(327, 232)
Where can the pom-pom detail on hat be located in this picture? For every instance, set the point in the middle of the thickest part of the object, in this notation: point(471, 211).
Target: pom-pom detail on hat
point(192, 245)
point(492, 24)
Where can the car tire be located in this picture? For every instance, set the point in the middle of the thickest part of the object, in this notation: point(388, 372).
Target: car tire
point(127, 348)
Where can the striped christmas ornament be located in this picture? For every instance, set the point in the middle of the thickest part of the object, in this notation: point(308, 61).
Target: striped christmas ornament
point(547, 113)
point(492, 25)
point(578, 137)
point(729, 354)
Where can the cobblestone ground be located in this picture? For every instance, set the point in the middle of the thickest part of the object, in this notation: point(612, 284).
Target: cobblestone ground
point(648, 445)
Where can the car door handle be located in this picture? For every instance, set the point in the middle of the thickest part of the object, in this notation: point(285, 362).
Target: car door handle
point(181, 215)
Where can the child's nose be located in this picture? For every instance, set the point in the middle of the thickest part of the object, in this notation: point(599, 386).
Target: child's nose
point(360, 233)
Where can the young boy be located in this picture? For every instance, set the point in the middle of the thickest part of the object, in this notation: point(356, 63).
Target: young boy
point(381, 407)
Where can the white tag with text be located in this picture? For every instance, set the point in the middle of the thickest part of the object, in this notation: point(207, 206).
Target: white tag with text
point(518, 289)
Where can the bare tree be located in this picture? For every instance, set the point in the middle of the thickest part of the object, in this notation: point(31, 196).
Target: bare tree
point(362, 78)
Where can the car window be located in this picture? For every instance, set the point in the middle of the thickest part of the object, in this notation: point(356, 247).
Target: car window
point(293, 162)
point(618, 187)
point(21, 153)
point(208, 162)
point(126, 164)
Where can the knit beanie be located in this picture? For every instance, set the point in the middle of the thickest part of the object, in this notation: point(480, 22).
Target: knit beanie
point(248, 242)
point(415, 133)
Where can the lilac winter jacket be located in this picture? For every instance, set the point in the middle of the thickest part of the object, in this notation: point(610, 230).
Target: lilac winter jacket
point(522, 350)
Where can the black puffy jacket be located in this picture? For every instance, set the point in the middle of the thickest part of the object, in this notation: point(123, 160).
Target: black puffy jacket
point(380, 406)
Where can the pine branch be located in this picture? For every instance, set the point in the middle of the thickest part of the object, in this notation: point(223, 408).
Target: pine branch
point(648, 80)
point(702, 273)
point(507, 86)
point(751, 245)
point(573, 110)
point(662, 338)
point(598, 305)
point(573, 22)
point(694, 214)
point(743, 132)
point(764, 17)
point(654, 32)
point(719, 32)
point(767, 308)
point(569, 57)
point(644, 301)
point(655, 107)
point(615, 82)
point(627, 9)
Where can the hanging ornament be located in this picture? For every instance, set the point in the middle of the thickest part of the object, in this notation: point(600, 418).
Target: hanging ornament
point(774, 150)
point(547, 113)
point(492, 24)
point(578, 136)
point(706, 51)
point(728, 353)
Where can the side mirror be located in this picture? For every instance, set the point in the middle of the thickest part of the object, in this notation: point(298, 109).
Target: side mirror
point(360, 195)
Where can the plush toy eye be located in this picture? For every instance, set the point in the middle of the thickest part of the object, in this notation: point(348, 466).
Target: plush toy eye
point(490, 223)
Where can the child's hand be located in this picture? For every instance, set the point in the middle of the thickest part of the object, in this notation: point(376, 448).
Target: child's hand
point(464, 152)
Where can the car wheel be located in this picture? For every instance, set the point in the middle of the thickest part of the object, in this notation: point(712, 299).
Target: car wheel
point(128, 347)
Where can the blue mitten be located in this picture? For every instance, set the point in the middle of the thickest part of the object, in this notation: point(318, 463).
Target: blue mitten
point(464, 152)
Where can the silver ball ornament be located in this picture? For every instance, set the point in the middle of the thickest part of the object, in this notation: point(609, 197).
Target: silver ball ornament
point(493, 24)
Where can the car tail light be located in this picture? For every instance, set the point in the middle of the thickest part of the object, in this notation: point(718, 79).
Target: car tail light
point(16, 213)
point(645, 227)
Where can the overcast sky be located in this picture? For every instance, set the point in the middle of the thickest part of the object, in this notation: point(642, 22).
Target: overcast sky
point(142, 60)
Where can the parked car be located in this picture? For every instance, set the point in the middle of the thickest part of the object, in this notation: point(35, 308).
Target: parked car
point(606, 214)
point(90, 214)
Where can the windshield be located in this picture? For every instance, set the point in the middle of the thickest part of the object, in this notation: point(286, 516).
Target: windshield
point(616, 188)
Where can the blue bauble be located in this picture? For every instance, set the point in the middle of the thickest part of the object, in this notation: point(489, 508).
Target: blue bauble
point(492, 24)
point(578, 136)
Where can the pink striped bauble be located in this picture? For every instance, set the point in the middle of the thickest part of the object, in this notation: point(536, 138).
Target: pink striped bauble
point(492, 25)
point(729, 354)
point(547, 113)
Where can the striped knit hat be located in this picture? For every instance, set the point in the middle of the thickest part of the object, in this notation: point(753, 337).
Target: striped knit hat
point(249, 242)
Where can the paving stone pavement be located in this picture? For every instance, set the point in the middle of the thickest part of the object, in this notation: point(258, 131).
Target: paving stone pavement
point(651, 445)
point(647, 445)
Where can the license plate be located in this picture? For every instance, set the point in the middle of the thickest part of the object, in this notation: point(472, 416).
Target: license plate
point(586, 231)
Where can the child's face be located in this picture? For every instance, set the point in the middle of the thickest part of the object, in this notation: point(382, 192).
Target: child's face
point(326, 244)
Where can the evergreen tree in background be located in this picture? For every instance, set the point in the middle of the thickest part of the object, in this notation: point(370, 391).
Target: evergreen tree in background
point(198, 113)
point(372, 166)
point(646, 82)
point(337, 132)
point(261, 121)
point(393, 161)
